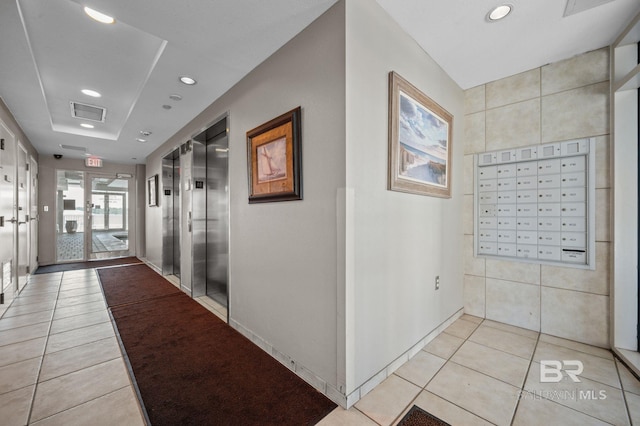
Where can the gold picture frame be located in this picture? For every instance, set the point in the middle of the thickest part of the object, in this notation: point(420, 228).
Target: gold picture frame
point(420, 141)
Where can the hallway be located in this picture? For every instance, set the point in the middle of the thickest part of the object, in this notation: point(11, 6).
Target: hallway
point(61, 363)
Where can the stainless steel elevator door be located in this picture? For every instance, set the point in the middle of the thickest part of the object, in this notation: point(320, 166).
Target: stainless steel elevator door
point(170, 204)
point(218, 218)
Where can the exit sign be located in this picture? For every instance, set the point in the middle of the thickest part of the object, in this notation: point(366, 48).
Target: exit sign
point(93, 162)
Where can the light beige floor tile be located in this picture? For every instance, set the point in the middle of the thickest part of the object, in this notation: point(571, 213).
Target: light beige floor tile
point(34, 298)
point(595, 368)
point(514, 344)
point(512, 329)
point(342, 417)
point(593, 350)
point(79, 300)
point(29, 309)
point(78, 310)
point(79, 284)
point(446, 411)
point(461, 328)
point(534, 411)
point(45, 277)
point(593, 398)
point(80, 336)
point(117, 408)
point(24, 320)
point(633, 402)
point(73, 359)
point(421, 368)
point(471, 318)
point(19, 375)
point(22, 351)
point(22, 334)
point(14, 406)
point(484, 396)
point(70, 390)
point(79, 321)
point(444, 345)
point(492, 362)
point(628, 380)
point(39, 290)
point(388, 400)
point(79, 291)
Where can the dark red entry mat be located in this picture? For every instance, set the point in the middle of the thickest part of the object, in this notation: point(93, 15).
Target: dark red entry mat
point(193, 369)
point(61, 267)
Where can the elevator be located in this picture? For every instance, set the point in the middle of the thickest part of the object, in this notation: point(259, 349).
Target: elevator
point(195, 181)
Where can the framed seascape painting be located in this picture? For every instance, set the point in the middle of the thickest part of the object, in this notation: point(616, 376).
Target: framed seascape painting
point(275, 159)
point(420, 142)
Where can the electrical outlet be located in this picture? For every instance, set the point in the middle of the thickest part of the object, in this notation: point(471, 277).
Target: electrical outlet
point(437, 282)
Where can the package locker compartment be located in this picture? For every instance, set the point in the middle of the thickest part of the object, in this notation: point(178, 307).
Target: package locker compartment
point(549, 167)
point(574, 239)
point(574, 224)
point(574, 164)
point(527, 224)
point(527, 196)
point(549, 253)
point(507, 184)
point(488, 235)
point(574, 256)
point(573, 179)
point(506, 236)
point(527, 251)
point(549, 195)
point(549, 238)
point(574, 195)
point(527, 237)
point(549, 181)
point(487, 210)
point(488, 185)
point(487, 248)
point(507, 250)
point(507, 223)
point(488, 197)
point(527, 182)
point(506, 171)
point(507, 197)
point(549, 224)
point(488, 223)
point(530, 168)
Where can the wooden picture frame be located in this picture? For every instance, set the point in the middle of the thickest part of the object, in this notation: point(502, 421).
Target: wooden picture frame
point(152, 190)
point(420, 141)
point(275, 159)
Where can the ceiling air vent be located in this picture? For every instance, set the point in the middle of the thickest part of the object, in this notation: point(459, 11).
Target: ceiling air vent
point(88, 112)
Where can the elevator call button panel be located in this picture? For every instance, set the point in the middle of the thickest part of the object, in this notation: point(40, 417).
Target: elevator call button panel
point(537, 204)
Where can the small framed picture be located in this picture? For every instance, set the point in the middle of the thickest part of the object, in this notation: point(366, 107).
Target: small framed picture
point(152, 190)
point(275, 159)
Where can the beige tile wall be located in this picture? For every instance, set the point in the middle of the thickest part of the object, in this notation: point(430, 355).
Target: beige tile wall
point(560, 101)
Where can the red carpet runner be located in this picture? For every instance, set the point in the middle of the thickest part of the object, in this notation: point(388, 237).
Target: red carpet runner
point(193, 369)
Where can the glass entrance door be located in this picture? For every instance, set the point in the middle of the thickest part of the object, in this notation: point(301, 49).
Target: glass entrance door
point(109, 206)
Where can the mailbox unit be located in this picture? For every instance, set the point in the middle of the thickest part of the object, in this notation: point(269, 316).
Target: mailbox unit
point(537, 203)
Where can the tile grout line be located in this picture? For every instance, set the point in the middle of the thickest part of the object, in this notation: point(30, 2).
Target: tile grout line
point(524, 382)
point(624, 395)
point(44, 351)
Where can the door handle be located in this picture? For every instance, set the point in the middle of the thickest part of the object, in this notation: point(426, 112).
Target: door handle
point(12, 220)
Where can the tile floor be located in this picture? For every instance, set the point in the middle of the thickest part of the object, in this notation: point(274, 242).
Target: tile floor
point(60, 364)
point(481, 372)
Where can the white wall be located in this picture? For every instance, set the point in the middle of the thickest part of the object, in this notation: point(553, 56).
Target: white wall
point(283, 256)
point(396, 242)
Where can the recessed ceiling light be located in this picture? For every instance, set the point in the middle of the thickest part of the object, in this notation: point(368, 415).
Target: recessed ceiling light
point(499, 12)
point(166, 106)
point(188, 80)
point(141, 140)
point(87, 125)
point(91, 93)
point(175, 97)
point(99, 16)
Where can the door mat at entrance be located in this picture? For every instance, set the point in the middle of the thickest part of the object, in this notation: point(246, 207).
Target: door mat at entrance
point(191, 368)
point(62, 267)
point(416, 416)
